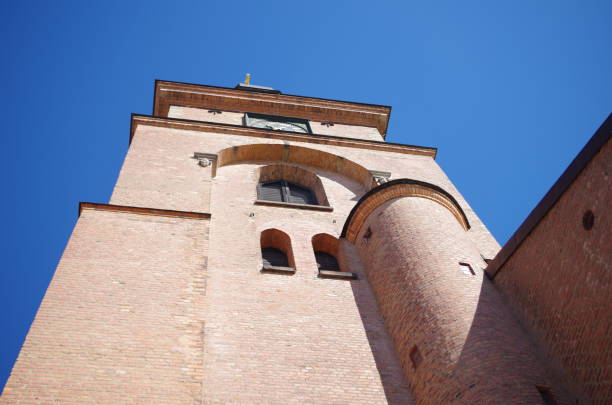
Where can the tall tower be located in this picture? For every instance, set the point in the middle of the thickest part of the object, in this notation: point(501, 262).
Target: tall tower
point(264, 248)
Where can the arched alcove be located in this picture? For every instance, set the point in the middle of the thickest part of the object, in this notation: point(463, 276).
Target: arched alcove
point(298, 155)
point(275, 239)
point(296, 175)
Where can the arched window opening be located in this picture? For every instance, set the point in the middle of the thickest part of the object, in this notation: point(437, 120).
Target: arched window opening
point(283, 183)
point(276, 252)
point(326, 249)
point(325, 261)
point(274, 258)
point(285, 191)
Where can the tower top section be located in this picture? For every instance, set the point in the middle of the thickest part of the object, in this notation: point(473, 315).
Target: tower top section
point(249, 99)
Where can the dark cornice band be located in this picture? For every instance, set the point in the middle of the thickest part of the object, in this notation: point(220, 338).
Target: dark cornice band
point(142, 210)
point(398, 189)
point(597, 141)
point(203, 126)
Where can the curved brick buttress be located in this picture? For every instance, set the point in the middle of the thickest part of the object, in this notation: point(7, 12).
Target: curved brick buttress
point(469, 347)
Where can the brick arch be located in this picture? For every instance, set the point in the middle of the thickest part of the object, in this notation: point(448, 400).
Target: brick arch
point(294, 174)
point(397, 189)
point(275, 238)
point(325, 243)
point(284, 153)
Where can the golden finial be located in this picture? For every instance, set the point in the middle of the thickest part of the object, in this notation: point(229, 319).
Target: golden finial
point(248, 79)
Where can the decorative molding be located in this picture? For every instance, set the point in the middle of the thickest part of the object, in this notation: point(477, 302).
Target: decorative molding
point(194, 95)
point(217, 128)
point(207, 159)
point(399, 188)
point(379, 177)
point(142, 210)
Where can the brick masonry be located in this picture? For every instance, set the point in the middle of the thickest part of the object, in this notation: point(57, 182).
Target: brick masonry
point(451, 330)
point(121, 321)
point(166, 309)
point(559, 281)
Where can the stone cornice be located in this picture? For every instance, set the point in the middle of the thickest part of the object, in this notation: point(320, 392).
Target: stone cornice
point(398, 189)
point(142, 210)
point(215, 127)
point(169, 93)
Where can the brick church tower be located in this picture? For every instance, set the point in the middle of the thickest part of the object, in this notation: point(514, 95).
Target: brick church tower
point(264, 248)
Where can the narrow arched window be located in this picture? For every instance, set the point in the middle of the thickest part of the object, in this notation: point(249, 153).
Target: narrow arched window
point(325, 261)
point(276, 252)
point(274, 258)
point(285, 191)
point(326, 249)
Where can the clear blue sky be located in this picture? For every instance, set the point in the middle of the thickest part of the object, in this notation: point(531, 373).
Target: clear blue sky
point(509, 91)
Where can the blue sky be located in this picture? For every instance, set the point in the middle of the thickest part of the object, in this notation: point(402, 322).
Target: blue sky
point(509, 91)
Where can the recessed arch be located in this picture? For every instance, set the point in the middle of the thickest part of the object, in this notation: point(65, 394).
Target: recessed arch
point(325, 248)
point(273, 238)
point(398, 189)
point(285, 153)
point(294, 174)
point(325, 243)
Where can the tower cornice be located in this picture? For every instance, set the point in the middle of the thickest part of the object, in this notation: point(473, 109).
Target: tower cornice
point(169, 93)
point(216, 127)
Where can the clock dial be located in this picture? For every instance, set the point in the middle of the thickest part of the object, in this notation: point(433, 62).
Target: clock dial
point(280, 124)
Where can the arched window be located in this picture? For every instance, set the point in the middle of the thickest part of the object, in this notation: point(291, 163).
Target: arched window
point(276, 252)
point(325, 261)
point(285, 191)
point(326, 248)
point(273, 257)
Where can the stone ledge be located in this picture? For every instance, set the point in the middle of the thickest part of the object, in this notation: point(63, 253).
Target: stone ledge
point(293, 205)
point(342, 275)
point(221, 128)
point(142, 210)
point(289, 271)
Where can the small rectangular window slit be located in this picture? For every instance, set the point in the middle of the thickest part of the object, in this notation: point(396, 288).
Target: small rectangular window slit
point(367, 235)
point(466, 268)
point(415, 356)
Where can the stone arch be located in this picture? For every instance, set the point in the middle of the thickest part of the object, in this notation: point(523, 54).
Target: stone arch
point(294, 174)
point(277, 239)
point(397, 189)
point(285, 153)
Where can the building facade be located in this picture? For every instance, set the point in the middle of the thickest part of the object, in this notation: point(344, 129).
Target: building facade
point(263, 248)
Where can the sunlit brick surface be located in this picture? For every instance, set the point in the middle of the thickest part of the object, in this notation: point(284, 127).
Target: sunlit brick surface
point(560, 282)
point(469, 348)
point(122, 321)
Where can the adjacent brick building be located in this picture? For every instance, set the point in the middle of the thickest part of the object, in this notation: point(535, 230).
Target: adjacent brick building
point(263, 248)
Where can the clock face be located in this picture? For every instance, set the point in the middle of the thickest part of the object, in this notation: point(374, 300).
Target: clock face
point(280, 124)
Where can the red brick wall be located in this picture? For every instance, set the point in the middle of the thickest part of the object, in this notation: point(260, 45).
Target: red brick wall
point(159, 172)
point(121, 321)
point(284, 339)
point(469, 347)
point(267, 338)
point(560, 282)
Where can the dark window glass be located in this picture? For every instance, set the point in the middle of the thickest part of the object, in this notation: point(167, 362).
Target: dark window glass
point(284, 191)
point(299, 195)
point(274, 257)
point(325, 261)
point(271, 191)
